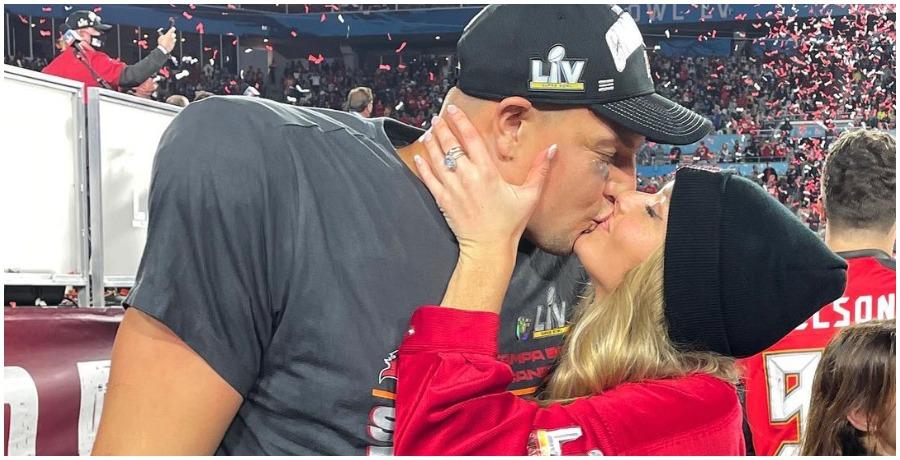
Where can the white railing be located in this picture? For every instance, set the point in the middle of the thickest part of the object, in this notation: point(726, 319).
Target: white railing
point(74, 178)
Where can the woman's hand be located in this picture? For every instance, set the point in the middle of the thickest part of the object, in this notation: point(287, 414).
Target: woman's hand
point(487, 214)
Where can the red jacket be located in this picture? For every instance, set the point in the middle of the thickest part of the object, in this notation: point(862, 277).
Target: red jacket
point(67, 65)
point(452, 400)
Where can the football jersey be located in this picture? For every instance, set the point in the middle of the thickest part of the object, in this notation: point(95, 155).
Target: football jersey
point(779, 380)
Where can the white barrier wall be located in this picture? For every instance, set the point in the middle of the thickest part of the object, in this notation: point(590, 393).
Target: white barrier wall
point(43, 239)
point(123, 133)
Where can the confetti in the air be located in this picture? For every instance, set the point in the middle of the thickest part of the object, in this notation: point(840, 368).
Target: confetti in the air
point(187, 15)
point(323, 18)
point(199, 28)
point(294, 33)
point(47, 9)
point(401, 48)
point(341, 18)
point(384, 67)
point(182, 74)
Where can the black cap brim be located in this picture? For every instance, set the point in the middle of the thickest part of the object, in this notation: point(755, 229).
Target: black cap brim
point(103, 27)
point(657, 118)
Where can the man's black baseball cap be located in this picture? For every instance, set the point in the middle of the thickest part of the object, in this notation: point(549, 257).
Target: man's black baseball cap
point(82, 19)
point(572, 55)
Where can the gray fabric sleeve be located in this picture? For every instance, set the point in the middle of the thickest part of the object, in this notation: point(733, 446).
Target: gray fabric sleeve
point(207, 264)
point(134, 75)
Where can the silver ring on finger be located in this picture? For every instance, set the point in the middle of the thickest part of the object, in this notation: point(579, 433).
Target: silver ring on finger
point(452, 155)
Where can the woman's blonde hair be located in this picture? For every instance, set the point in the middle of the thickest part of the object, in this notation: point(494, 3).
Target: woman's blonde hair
point(622, 338)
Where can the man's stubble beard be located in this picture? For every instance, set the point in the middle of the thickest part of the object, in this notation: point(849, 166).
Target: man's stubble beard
point(552, 244)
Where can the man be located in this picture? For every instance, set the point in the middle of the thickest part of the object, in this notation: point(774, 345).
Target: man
point(859, 189)
point(178, 99)
point(359, 101)
point(83, 60)
point(288, 246)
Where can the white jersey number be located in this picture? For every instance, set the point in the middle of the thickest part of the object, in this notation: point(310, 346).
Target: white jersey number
point(784, 403)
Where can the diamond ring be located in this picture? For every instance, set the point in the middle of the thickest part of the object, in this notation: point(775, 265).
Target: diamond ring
point(452, 155)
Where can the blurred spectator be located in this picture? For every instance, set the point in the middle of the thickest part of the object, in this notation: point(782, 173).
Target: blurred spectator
point(200, 95)
point(82, 60)
point(177, 99)
point(675, 155)
point(360, 101)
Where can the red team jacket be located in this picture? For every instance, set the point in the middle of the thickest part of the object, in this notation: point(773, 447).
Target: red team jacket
point(66, 65)
point(452, 400)
point(779, 380)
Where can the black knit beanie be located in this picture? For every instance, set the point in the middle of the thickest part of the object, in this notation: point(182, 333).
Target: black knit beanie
point(740, 270)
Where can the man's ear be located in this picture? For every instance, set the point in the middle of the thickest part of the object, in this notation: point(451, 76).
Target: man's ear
point(859, 420)
point(510, 113)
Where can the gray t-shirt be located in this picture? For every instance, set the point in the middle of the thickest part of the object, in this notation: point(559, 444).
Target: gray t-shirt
point(288, 247)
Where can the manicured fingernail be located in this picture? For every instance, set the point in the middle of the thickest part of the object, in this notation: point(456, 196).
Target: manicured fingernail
point(435, 120)
point(452, 109)
point(427, 136)
point(552, 152)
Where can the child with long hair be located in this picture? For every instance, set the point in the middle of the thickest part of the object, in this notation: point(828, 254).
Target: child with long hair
point(853, 407)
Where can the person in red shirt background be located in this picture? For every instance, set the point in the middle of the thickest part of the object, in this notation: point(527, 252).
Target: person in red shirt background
point(83, 60)
point(647, 365)
point(859, 190)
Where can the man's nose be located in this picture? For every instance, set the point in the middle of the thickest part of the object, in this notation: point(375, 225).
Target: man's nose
point(618, 182)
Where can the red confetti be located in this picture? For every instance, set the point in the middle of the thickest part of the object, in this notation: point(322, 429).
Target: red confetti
point(430, 76)
point(23, 19)
point(306, 7)
point(47, 9)
point(187, 15)
point(294, 33)
point(42, 20)
point(269, 48)
point(46, 33)
point(199, 28)
point(164, 71)
point(98, 9)
point(193, 7)
point(402, 46)
point(323, 18)
point(234, 42)
point(384, 67)
point(142, 44)
point(389, 36)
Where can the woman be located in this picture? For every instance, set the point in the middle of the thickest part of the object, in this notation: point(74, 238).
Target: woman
point(853, 406)
point(681, 282)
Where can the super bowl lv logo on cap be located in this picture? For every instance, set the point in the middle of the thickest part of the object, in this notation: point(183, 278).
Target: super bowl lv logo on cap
point(563, 75)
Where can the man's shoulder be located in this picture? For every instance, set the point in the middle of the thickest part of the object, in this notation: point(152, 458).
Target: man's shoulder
point(230, 112)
